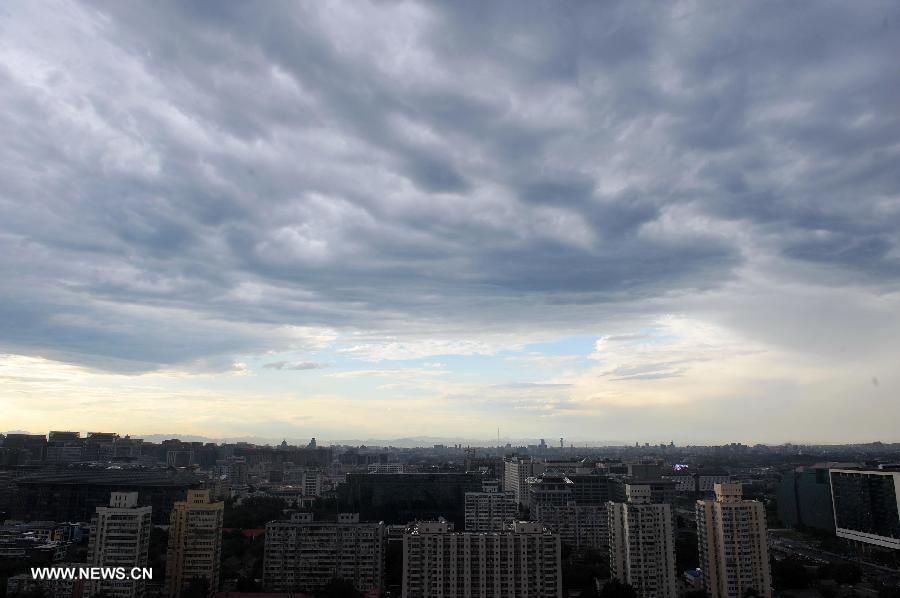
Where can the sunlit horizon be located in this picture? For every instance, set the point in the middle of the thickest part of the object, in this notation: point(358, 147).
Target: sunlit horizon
point(615, 222)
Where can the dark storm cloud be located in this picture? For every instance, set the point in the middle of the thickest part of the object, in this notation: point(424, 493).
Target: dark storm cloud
point(181, 181)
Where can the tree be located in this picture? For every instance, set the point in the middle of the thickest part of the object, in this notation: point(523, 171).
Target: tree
point(841, 572)
point(847, 573)
point(198, 587)
point(686, 554)
point(159, 541)
point(789, 574)
point(582, 567)
point(339, 588)
point(254, 512)
point(393, 564)
point(616, 589)
point(246, 584)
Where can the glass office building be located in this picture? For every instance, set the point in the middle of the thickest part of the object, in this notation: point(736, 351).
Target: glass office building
point(865, 506)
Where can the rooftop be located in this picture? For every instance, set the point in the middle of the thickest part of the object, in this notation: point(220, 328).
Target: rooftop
point(119, 477)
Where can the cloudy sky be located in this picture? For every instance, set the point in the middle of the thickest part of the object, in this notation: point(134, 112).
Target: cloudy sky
point(605, 221)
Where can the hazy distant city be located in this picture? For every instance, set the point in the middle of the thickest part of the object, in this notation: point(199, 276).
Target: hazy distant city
point(544, 519)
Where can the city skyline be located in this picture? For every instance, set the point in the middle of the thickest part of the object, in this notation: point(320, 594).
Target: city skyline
point(617, 222)
point(510, 444)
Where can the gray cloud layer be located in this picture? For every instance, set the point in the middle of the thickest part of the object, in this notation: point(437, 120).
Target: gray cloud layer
point(182, 180)
point(299, 365)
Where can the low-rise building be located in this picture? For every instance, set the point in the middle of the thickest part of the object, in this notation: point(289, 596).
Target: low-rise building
point(25, 584)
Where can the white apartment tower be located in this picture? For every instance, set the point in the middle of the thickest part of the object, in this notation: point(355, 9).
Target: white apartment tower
point(120, 537)
point(642, 544)
point(731, 533)
point(522, 561)
point(515, 473)
point(195, 542)
point(310, 480)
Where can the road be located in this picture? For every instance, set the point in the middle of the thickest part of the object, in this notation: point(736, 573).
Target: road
point(793, 547)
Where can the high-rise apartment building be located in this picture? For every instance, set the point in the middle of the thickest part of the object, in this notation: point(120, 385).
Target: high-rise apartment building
point(706, 482)
point(589, 488)
point(385, 468)
point(64, 447)
point(120, 537)
point(731, 533)
point(661, 491)
point(195, 542)
point(549, 489)
point(32, 446)
point(578, 526)
point(398, 498)
point(98, 446)
point(75, 494)
point(232, 469)
point(644, 471)
point(642, 544)
point(310, 481)
point(867, 506)
point(516, 472)
point(478, 461)
point(687, 482)
point(490, 509)
point(523, 560)
point(303, 555)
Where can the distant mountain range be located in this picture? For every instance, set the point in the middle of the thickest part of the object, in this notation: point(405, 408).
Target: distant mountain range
point(406, 442)
point(427, 441)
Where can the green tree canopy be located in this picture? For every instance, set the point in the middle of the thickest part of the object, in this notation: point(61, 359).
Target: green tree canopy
point(616, 589)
